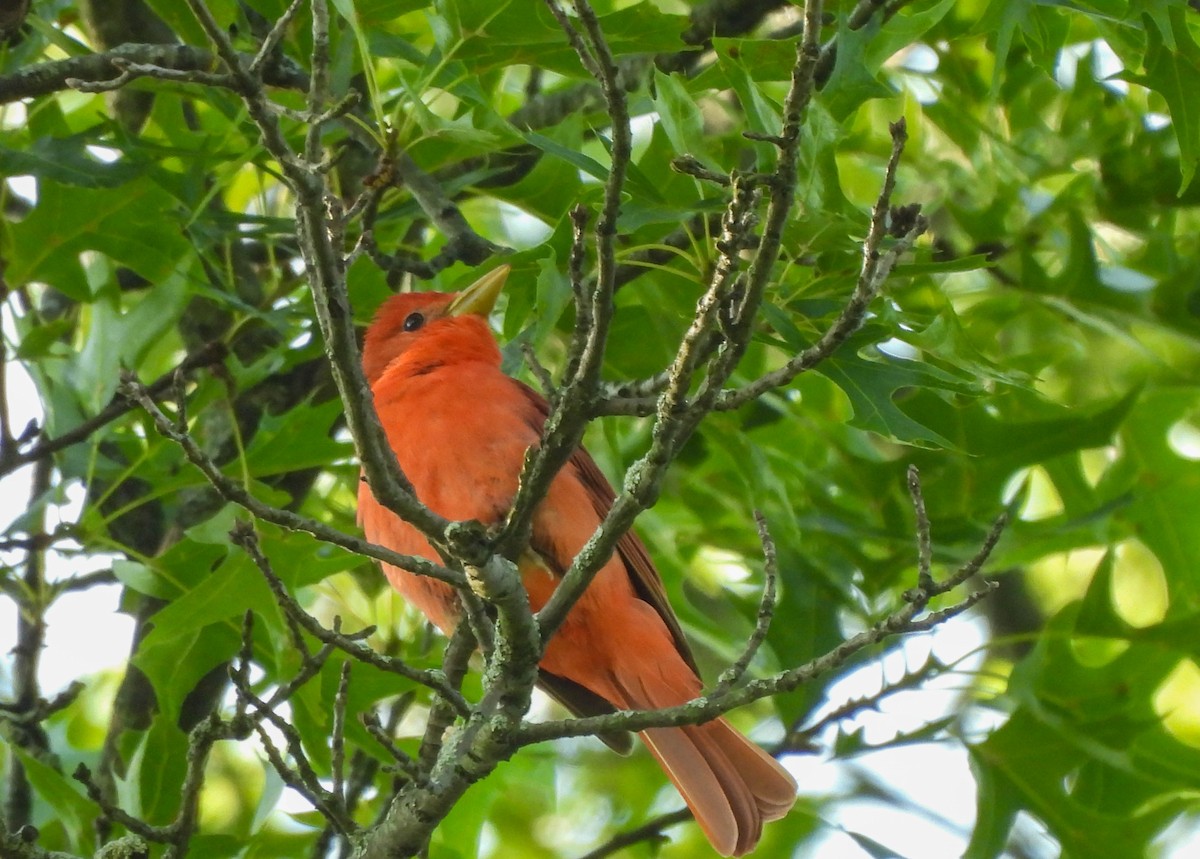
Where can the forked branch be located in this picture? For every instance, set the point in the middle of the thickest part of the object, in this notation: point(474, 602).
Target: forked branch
point(910, 618)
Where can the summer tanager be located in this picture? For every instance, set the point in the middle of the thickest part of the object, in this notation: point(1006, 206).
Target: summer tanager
point(460, 429)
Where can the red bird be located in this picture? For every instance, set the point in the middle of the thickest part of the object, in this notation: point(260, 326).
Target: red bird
point(460, 429)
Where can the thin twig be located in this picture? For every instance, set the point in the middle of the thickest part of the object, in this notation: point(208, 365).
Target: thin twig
point(129, 72)
point(966, 571)
point(318, 89)
point(650, 831)
point(800, 738)
point(582, 49)
point(245, 537)
point(876, 267)
point(766, 612)
point(200, 743)
point(157, 834)
point(27, 731)
point(705, 708)
point(904, 620)
point(675, 422)
point(267, 50)
point(692, 166)
point(569, 414)
point(165, 60)
point(924, 542)
point(178, 834)
point(544, 379)
point(338, 741)
point(579, 290)
point(454, 665)
point(240, 668)
point(301, 778)
point(7, 440)
point(89, 580)
point(937, 618)
point(370, 721)
point(234, 492)
point(321, 242)
point(211, 353)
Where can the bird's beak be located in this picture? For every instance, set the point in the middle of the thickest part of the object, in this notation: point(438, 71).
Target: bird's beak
point(480, 297)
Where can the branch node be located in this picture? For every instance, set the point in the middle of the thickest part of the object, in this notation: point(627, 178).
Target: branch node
point(689, 165)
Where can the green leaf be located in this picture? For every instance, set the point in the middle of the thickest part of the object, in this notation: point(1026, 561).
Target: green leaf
point(553, 297)
point(214, 846)
point(201, 628)
point(180, 19)
point(681, 117)
point(161, 765)
point(851, 83)
point(300, 438)
point(66, 160)
point(374, 13)
point(234, 588)
point(1096, 616)
point(40, 342)
point(872, 387)
point(214, 530)
point(138, 577)
point(1002, 19)
point(175, 660)
point(590, 166)
point(972, 262)
point(496, 35)
point(1167, 483)
point(178, 569)
point(1174, 73)
point(870, 846)
point(132, 225)
point(1011, 443)
point(997, 804)
point(762, 113)
point(120, 335)
point(71, 806)
point(804, 599)
point(548, 192)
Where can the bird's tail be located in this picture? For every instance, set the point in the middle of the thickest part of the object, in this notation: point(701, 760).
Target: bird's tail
point(731, 785)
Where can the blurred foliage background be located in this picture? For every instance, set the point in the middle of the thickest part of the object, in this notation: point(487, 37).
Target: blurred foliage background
point(1040, 351)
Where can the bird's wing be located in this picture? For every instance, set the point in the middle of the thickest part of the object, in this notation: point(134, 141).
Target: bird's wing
point(581, 701)
point(643, 576)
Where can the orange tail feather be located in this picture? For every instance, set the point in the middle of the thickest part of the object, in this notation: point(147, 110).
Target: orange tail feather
point(731, 785)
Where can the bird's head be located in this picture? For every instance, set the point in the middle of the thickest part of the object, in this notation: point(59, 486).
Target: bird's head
point(433, 326)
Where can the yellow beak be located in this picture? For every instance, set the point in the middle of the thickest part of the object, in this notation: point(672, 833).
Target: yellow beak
point(480, 297)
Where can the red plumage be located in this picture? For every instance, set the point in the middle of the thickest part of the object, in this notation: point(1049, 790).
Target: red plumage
point(460, 429)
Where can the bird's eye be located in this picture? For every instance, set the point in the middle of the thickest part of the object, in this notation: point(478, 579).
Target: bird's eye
point(413, 321)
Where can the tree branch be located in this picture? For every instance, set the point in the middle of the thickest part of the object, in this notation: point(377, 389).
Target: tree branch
point(766, 612)
point(27, 707)
point(95, 72)
point(244, 536)
point(650, 831)
point(876, 267)
point(800, 739)
point(569, 413)
point(178, 834)
point(674, 421)
point(454, 665)
point(235, 493)
point(902, 621)
point(12, 458)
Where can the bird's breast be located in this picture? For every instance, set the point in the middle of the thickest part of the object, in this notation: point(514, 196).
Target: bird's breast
point(460, 436)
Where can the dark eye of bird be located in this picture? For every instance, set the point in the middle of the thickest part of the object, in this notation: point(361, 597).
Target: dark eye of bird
point(413, 321)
